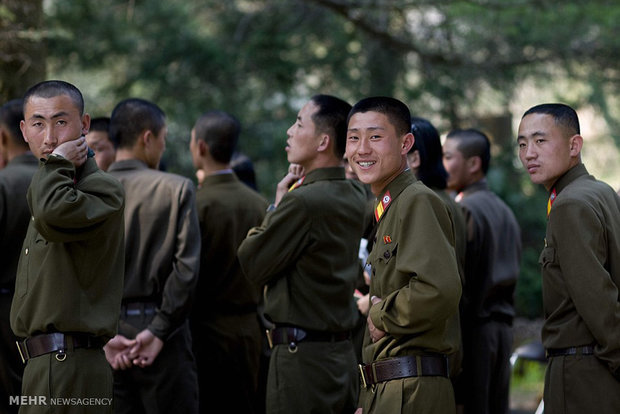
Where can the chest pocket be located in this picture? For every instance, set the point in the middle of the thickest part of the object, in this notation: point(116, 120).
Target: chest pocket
point(387, 253)
point(547, 256)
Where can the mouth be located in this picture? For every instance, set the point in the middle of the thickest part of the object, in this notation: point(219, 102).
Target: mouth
point(532, 168)
point(366, 164)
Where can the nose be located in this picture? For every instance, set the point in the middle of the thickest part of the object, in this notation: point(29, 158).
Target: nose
point(363, 146)
point(50, 139)
point(529, 152)
point(289, 131)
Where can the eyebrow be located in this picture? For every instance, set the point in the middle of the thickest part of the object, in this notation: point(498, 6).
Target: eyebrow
point(535, 134)
point(373, 128)
point(56, 115)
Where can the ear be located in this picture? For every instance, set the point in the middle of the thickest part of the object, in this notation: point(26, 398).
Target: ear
point(22, 127)
point(474, 164)
point(323, 143)
point(145, 137)
point(414, 160)
point(576, 143)
point(85, 124)
point(203, 148)
point(406, 143)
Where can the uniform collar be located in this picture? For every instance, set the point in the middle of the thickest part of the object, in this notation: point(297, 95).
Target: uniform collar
point(321, 174)
point(130, 164)
point(568, 177)
point(392, 191)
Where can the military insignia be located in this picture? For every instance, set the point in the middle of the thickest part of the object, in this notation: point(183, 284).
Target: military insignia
point(383, 205)
point(552, 197)
point(296, 184)
point(387, 239)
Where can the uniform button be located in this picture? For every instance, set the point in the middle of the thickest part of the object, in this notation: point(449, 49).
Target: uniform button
point(26, 251)
point(32, 218)
point(386, 255)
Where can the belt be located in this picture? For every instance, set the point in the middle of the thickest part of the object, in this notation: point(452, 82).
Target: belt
point(138, 308)
point(573, 350)
point(47, 343)
point(292, 335)
point(403, 367)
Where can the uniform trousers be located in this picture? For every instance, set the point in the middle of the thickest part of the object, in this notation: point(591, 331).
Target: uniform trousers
point(576, 384)
point(419, 395)
point(79, 384)
point(169, 385)
point(11, 366)
point(317, 377)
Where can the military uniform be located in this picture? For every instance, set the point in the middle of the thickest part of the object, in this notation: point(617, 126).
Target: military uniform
point(581, 274)
point(306, 252)
point(162, 244)
point(14, 218)
point(415, 273)
point(492, 266)
point(69, 281)
point(227, 336)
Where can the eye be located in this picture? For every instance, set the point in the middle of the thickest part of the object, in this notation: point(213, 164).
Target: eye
point(352, 138)
point(61, 122)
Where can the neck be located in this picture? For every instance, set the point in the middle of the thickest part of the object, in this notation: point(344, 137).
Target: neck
point(209, 167)
point(321, 162)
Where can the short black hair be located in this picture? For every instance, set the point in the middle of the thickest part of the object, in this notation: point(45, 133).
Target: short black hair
point(563, 115)
point(331, 118)
point(473, 143)
point(220, 130)
point(428, 144)
point(132, 116)
point(101, 123)
point(11, 114)
point(53, 88)
point(396, 111)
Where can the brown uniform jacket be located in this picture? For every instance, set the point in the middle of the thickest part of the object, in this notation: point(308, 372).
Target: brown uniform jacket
point(70, 273)
point(581, 267)
point(162, 242)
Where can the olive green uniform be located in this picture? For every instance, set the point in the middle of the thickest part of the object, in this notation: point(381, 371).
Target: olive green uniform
point(415, 273)
point(162, 242)
point(227, 336)
point(14, 218)
point(70, 278)
point(492, 267)
point(306, 252)
point(581, 275)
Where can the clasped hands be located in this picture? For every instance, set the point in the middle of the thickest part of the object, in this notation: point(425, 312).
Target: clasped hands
point(123, 353)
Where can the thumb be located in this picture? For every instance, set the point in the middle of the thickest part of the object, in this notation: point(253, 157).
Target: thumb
point(375, 299)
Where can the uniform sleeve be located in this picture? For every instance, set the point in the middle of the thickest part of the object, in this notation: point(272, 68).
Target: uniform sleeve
point(580, 238)
point(65, 211)
point(276, 244)
point(431, 290)
point(180, 284)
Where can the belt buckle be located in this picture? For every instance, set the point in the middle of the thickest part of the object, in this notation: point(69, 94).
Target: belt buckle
point(363, 375)
point(21, 354)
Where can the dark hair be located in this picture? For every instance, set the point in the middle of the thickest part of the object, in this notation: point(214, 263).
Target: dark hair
point(53, 88)
point(221, 131)
point(11, 114)
point(101, 123)
point(133, 116)
point(473, 143)
point(396, 111)
point(428, 144)
point(563, 115)
point(331, 118)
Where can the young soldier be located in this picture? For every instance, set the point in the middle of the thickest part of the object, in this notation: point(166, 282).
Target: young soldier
point(492, 264)
point(415, 285)
point(98, 139)
point(226, 334)
point(306, 252)
point(155, 369)
point(70, 274)
point(580, 266)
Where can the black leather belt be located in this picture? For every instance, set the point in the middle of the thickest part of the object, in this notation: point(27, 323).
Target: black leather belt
point(404, 367)
point(47, 343)
point(292, 335)
point(573, 350)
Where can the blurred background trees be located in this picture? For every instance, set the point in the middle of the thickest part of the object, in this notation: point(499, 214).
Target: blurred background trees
point(477, 63)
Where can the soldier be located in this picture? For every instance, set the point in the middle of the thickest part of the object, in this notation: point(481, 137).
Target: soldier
point(492, 261)
point(98, 139)
point(155, 369)
point(306, 253)
point(415, 285)
point(69, 278)
point(226, 333)
point(14, 218)
point(580, 266)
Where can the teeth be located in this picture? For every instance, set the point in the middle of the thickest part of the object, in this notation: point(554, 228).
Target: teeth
point(366, 163)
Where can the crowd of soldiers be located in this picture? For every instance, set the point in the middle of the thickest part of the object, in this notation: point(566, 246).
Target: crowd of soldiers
point(381, 278)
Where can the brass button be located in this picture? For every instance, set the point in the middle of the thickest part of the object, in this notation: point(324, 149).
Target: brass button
point(26, 251)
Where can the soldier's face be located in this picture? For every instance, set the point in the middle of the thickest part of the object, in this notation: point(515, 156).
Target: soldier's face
point(456, 165)
point(100, 143)
point(302, 137)
point(546, 150)
point(376, 153)
point(48, 122)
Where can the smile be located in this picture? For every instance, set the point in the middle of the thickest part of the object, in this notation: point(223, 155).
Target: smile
point(366, 164)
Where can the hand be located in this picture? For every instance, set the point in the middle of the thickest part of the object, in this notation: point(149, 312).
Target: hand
point(295, 172)
point(117, 352)
point(375, 333)
point(146, 349)
point(75, 151)
point(363, 304)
